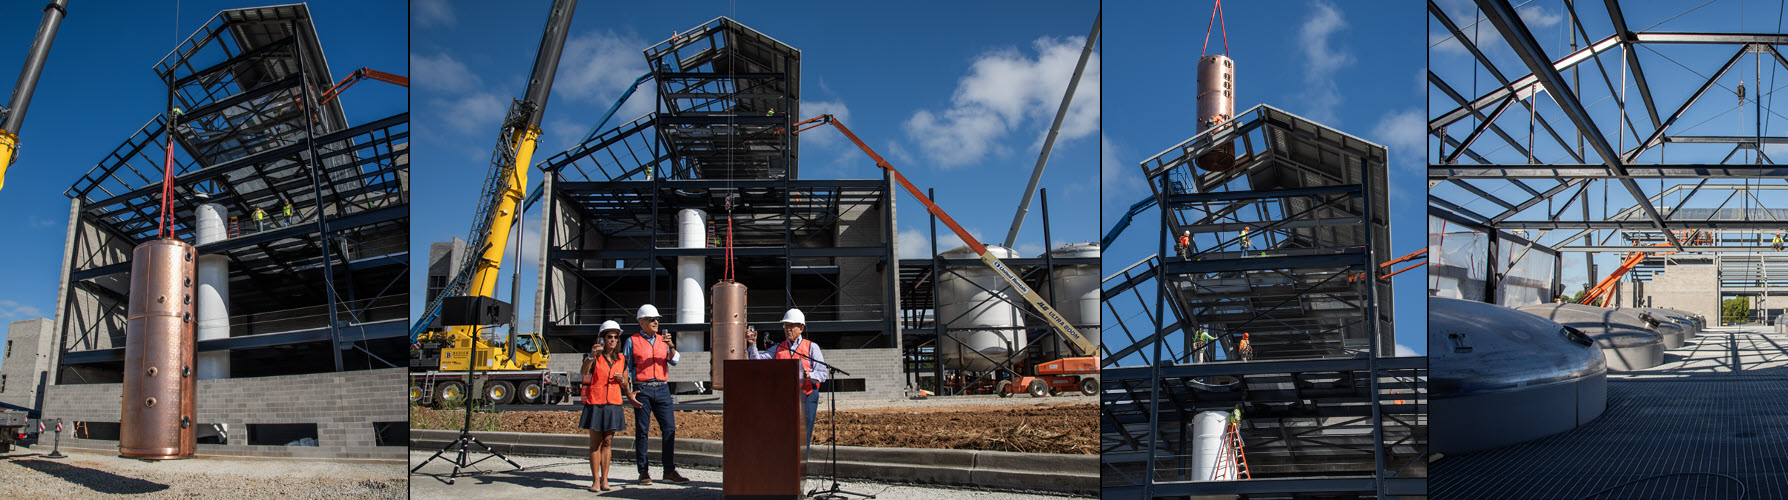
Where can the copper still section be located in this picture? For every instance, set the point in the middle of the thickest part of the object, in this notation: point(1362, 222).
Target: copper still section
point(158, 419)
point(1216, 106)
point(727, 329)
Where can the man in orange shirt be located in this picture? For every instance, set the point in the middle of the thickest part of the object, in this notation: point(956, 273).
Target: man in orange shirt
point(649, 358)
point(813, 371)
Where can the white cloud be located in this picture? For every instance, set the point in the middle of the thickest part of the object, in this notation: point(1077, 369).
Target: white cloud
point(14, 310)
point(1539, 17)
point(1405, 133)
point(1007, 90)
point(598, 66)
point(443, 73)
point(425, 13)
point(1406, 351)
point(1322, 61)
point(828, 138)
point(916, 243)
point(475, 113)
point(1120, 181)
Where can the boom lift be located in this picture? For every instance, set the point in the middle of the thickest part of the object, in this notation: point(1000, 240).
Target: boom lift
point(512, 375)
point(1599, 294)
point(1051, 376)
point(13, 116)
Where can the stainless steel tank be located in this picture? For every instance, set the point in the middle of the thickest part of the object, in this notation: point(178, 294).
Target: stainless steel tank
point(727, 329)
point(1682, 319)
point(985, 327)
point(1498, 376)
point(1076, 290)
point(1627, 341)
point(157, 421)
point(1216, 105)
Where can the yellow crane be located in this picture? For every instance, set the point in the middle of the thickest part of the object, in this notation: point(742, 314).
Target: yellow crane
point(21, 92)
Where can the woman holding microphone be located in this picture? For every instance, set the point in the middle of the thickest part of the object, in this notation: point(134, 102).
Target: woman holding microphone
point(605, 384)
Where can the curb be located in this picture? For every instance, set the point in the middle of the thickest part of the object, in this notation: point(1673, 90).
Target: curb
point(1076, 474)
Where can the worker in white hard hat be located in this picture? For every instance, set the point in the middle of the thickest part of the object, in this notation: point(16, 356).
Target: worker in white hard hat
point(605, 387)
point(650, 354)
point(793, 346)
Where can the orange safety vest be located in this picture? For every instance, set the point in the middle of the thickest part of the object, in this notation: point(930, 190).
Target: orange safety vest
point(599, 384)
point(1185, 240)
point(806, 350)
point(650, 359)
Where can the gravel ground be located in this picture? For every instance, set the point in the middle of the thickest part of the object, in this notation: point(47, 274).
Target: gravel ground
point(543, 478)
point(83, 474)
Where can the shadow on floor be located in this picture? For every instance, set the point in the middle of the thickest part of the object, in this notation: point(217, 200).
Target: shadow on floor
point(92, 479)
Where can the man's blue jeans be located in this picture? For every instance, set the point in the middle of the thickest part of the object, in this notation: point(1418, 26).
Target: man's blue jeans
point(655, 400)
point(810, 403)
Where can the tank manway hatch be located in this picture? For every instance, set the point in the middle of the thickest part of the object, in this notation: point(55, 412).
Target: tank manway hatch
point(157, 421)
point(728, 328)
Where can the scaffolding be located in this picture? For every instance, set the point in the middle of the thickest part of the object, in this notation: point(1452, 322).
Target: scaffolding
point(718, 142)
point(1327, 409)
point(323, 290)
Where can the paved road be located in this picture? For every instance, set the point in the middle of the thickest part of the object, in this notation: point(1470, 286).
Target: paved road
point(543, 478)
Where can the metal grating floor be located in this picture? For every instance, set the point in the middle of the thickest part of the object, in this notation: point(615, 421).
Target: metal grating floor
point(1718, 405)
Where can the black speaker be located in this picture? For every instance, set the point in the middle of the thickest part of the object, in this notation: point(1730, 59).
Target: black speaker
point(474, 311)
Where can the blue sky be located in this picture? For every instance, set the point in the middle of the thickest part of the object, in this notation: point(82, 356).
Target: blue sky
point(98, 88)
point(1357, 67)
point(1673, 72)
point(957, 102)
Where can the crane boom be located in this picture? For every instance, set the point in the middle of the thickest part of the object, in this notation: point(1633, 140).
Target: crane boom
point(14, 114)
point(1055, 319)
point(505, 184)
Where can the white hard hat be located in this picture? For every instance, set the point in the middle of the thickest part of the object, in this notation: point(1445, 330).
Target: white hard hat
point(647, 311)
point(609, 325)
point(794, 316)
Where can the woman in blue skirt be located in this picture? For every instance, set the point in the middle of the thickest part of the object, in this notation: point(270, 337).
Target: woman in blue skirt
point(605, 384)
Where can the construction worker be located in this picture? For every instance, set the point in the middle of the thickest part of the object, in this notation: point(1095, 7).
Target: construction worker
point(1776, 243)
point(1201, 342)
point(1235, 416)
point(260, 219)
point(287, 210)
point(813, 370)
point(1245, 348)
point(1246, 239)
point(1185, 244)
point(771, 113)
point(650, 354)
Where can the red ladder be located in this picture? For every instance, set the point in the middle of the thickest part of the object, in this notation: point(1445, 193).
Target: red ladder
point(1233, 447)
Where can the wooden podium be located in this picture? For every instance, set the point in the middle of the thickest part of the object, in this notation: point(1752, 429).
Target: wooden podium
point(764, 429)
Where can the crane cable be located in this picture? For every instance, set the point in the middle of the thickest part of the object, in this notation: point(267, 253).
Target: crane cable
point(1218, 20)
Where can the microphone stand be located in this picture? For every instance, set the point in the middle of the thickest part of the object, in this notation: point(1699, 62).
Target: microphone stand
point(833, 492)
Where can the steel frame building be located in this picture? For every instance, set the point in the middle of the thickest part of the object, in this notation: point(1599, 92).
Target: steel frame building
point(1326, 408)
point(321, 302)
point(720, 142)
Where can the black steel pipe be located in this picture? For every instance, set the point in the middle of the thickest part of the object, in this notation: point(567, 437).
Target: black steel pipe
point(40, 51)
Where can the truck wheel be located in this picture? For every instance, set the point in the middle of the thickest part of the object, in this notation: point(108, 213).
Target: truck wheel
point(530, 392)
point(1038, 388)
point(1089, 386)
point(417, 397)
point(451, 392)
point(499, 392)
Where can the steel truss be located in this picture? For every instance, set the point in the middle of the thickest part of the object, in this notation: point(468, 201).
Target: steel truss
point(1325, 409)
point(330, 286)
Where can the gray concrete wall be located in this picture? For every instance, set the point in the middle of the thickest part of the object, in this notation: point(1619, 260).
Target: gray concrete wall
point(880, 369)
point(343, 405)
point(25, 363)
point(1689, 287)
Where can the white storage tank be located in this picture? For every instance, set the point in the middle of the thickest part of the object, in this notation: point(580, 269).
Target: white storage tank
point(976, 320)
point(1076, 294)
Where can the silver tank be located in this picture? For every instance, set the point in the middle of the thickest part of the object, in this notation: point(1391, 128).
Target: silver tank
point(1628, 342)
point(1674, 333)
point(1500, 376)
point(992, 325)
point(1682, 319)
point(1076, 294)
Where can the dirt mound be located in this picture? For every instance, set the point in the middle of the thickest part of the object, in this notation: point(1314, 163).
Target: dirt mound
point(1069, 429)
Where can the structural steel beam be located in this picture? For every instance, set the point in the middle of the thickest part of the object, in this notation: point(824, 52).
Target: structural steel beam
point(1626, 39)
point(1503, 15)
point(1584, 171)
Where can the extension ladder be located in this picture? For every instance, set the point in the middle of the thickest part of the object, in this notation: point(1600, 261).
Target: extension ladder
point(1232, 448)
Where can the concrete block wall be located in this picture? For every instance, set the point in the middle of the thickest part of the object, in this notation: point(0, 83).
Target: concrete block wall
point(880, 369)
point(343, 405)
point(1689, 287)
point(25, 362)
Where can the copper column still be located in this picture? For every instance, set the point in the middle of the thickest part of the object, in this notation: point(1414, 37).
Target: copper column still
point(728, 328)
point(159, 379)
point(1216, 105)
